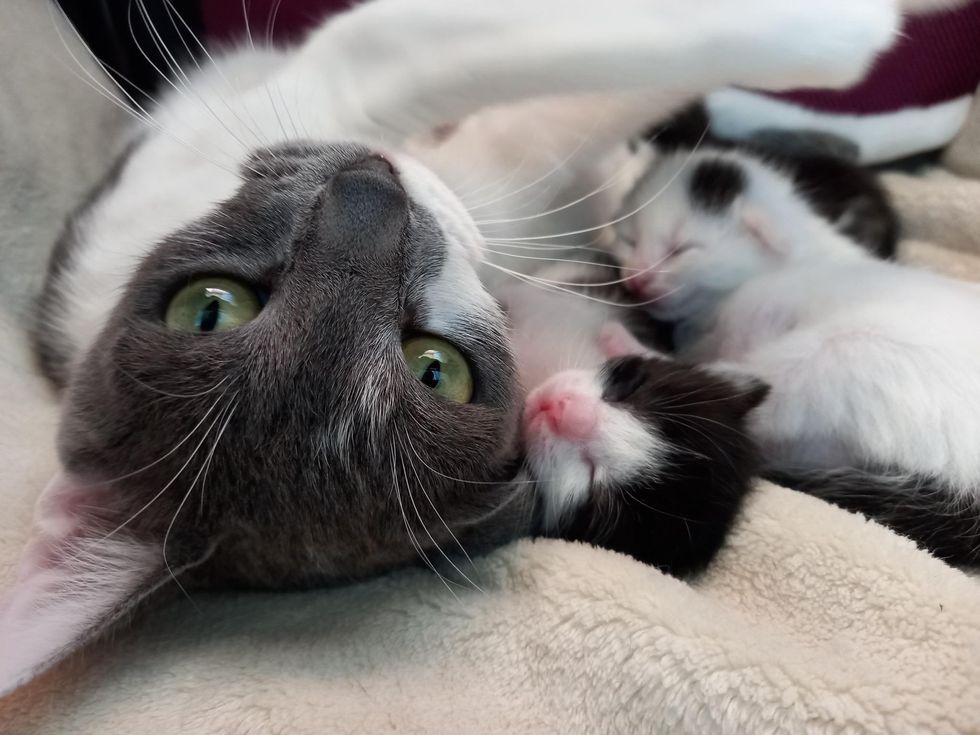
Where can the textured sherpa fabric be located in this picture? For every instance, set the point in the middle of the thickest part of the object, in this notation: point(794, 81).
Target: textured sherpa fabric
point(812, 620)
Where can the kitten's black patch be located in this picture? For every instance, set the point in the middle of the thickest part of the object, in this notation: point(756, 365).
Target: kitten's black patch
point(822, 167)
point(714, 185)
point(922, 508)
point(848, 196)
point(676, 516)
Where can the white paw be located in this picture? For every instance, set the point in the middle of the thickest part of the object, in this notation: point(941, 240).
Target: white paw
point(833, 43)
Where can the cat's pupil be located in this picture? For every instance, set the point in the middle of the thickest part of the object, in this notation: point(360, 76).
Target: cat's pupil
point(208, 318)
point(432, 375)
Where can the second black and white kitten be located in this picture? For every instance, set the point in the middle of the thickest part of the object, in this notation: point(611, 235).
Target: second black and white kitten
point(629, 449)
point(873, 365)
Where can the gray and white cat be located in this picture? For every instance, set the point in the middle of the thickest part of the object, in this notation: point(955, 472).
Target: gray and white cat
point(280, 366)
point(874, 366)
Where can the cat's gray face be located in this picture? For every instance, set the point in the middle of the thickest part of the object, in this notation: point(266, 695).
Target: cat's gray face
point(319, 454)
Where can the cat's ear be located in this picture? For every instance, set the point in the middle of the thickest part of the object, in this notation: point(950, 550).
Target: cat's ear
point(75, 578)
point(750, 390)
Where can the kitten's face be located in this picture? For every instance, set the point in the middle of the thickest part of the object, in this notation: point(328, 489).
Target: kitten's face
point(692, 239)
point(633, 452)
point(299, 443)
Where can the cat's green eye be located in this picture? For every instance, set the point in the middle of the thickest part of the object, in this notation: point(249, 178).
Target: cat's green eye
point(212, 304)
point(440, 366)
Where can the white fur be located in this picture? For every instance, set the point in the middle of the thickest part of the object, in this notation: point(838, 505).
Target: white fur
point(569, 470)
point(886, 136)
point(870, 362)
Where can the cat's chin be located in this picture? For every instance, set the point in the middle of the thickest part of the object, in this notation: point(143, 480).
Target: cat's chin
point(425, 187)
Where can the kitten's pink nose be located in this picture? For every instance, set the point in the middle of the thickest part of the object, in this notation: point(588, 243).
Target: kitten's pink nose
point(567, 415)
point(640, 276)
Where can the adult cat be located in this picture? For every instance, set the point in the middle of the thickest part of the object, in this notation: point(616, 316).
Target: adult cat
point(234, 309)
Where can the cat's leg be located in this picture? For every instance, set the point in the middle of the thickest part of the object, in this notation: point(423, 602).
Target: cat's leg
point(401, 67)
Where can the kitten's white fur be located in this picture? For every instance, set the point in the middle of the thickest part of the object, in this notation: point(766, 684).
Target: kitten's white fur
point(870, 362)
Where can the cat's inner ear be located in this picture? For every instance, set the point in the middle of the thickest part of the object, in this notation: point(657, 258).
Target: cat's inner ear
point(755, 222)
point(75, 579)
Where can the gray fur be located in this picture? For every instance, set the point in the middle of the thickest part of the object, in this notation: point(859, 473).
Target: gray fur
point(314, 479)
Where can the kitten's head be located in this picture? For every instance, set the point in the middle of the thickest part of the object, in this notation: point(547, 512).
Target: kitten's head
point(293, 390)
point(704, 223)
point(646, 456)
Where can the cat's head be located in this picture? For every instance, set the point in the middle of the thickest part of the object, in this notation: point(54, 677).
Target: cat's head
point(308, 384)
point(703, 223)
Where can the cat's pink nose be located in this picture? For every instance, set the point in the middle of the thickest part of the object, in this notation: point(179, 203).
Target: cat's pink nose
point(567, 415)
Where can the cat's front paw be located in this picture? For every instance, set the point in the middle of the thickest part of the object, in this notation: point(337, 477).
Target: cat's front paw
point(833, 43)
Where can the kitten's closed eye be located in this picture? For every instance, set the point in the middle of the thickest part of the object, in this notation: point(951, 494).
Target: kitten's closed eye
point(622, 378)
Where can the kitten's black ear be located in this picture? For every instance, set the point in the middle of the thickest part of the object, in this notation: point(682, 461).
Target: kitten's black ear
point(748, 391)
point(75, 579)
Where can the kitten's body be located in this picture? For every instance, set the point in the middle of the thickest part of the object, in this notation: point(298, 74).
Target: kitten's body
point(873, 365)
point(186, 451)
point(643, 455)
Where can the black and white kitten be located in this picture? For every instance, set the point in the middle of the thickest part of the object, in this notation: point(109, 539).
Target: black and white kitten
point(280, 366)
point(874, 366)
point(630, 449)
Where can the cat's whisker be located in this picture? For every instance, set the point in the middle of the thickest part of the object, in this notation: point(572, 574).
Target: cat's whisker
point(408, 527)
point(455, 538)
point(545, 176)
point(164, 489)
point(166, 536)
point(630, 213)
point(605, 186)
point(140, 113)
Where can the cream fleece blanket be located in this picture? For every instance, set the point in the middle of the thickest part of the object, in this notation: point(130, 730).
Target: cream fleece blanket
point(812, 619)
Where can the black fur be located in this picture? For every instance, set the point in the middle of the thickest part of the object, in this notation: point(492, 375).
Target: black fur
point(714, 185)
point(922, 508)
point(822, 167)
point(677, 516)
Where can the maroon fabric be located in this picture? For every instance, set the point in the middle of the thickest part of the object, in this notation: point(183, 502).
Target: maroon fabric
point(936, 60)
point(286, 20)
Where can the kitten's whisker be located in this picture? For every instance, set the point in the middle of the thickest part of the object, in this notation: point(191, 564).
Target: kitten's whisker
point(172, 11)
point(174, 66)
point(561, 287)
point(172, 395)
point(139, 113)
point(557, 260)
point(500, 182)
